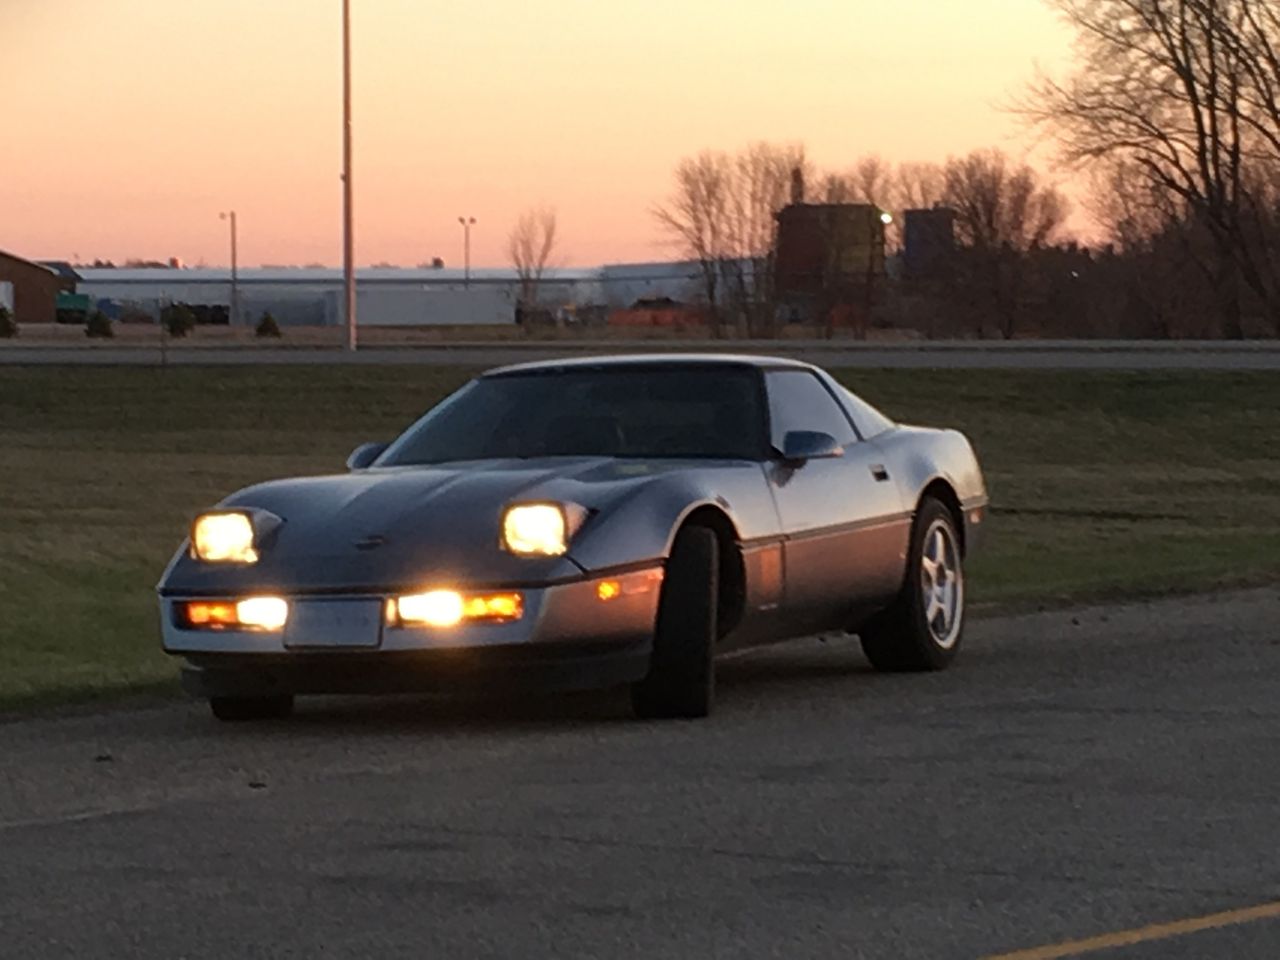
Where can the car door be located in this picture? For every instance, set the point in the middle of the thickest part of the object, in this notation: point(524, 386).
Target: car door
point(842, 517)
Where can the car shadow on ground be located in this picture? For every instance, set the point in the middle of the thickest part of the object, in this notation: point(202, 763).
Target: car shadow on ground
point(775, 676)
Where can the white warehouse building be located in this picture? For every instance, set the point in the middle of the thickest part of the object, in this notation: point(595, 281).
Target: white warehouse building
point(384, 296)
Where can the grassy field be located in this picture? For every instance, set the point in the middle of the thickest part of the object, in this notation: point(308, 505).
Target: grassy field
point(334, 337)
point(1103, 485)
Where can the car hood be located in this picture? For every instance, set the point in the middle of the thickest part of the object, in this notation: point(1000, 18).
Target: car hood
point(412, 526)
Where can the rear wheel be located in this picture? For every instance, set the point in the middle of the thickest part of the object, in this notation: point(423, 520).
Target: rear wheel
point(242, 709)
point(681, 680)
point(923, 628)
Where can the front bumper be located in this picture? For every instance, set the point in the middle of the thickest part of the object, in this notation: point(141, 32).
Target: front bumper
point(488, 671)
point(566, 638)
point(975, 514)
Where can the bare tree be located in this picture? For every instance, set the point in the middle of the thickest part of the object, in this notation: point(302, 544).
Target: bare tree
point(869, 180)
point(761, 186)
point(918, 186)
point(695, 217)
point(529, 245)
point(1150, 276)
point(722, 214)
point(873, 181)
point(1123, 203)
point(1187, 94)
point(1003, 211)
point(1000, 205)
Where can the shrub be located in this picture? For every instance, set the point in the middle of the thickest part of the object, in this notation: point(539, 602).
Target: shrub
point(267, 326)
point(99, 326)
point(178, 319)
point(8, 326)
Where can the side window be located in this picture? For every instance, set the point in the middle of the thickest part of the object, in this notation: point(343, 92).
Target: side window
point(869, 421)
point(799, 401)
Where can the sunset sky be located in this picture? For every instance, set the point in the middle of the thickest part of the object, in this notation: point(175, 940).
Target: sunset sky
point(129, 124)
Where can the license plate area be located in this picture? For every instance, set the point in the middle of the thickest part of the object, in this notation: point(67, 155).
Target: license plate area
point(330, 624)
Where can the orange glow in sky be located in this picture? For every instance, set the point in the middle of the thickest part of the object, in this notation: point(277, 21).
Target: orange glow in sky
point(129, 125)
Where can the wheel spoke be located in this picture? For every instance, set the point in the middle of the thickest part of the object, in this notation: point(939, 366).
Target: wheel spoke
point(931, 609)
point(930, 569)
point(945, 604)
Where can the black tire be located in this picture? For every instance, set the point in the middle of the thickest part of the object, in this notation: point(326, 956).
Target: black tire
point(682, 681)
point(243, 709)
point(904, 637)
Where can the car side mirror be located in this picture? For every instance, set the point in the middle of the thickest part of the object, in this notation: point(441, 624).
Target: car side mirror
point(801, 445)
point(365, 454)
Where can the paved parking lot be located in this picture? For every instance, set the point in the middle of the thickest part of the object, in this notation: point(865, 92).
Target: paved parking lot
point(1077, 774)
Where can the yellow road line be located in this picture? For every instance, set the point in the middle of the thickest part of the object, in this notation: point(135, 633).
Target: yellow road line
point(1156, 931)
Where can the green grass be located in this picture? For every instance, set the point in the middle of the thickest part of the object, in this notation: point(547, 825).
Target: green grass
point(1109, 485)
point(1103, 485)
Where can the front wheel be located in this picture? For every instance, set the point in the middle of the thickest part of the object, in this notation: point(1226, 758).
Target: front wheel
point(923, 627)
point(681, 680)
point(243, 709)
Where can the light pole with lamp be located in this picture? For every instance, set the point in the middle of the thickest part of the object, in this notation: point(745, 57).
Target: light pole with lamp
point(879, 242)
point(467, 224)
point(348, 237)
point(235, 279)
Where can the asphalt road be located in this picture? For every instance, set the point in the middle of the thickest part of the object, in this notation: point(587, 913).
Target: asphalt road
point(1074, 774)
point(1022, 355)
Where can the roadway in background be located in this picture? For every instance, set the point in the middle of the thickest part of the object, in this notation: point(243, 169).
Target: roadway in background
point(1016, 355)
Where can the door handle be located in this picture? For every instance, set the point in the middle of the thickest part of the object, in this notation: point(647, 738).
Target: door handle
point(879, 472)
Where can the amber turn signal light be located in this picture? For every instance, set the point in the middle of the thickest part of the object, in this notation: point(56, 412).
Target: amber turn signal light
point(253, 613)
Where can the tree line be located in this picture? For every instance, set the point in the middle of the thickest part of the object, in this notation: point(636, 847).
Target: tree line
point(1172, 112)
point(1175, 105)
point(722, 214)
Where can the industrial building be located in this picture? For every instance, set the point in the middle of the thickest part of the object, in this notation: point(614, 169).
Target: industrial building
point(928, 241)
point(384, 296)
point(30, 289)
point(823, 246)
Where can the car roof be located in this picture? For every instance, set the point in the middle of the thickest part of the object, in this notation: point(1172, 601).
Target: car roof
point(650, 361)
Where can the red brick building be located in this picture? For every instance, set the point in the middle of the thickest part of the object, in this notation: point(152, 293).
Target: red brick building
point(828, 245)
point(33, 288)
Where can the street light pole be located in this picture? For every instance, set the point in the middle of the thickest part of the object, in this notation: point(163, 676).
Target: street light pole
point(235, 280)
point(467, 223)
point(348, 238)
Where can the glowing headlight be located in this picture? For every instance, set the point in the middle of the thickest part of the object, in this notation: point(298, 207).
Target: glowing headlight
point(223, 538)
point(536, 529)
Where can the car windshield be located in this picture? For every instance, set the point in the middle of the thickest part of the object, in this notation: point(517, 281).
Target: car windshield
point(670, 412)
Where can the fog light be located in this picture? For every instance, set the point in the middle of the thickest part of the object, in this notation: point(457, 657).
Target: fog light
point(262, 613)
point(448, 608)
point(436, 608)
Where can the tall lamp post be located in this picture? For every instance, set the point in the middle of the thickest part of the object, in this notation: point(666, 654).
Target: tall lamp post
point(348, 238)
point(235, 279)
point(878, 242)
point(467, 223)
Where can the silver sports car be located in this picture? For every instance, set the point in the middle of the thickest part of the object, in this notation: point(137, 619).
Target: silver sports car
point(584, 523)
